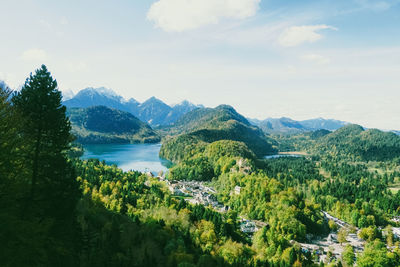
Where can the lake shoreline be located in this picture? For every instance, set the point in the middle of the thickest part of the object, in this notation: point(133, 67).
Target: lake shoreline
point(138, 157)
point(300, 153)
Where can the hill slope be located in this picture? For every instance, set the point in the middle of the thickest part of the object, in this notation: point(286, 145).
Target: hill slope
point(100, 124)
point(208, 125)
point(355, 142)
point(208, 118)
point(323, 124)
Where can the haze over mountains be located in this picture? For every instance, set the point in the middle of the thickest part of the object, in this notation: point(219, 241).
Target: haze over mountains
point(156, 113)
point(289, 126)
point(152, 111)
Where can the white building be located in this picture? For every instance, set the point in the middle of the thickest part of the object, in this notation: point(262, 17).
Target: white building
point(237, 190)
point(248, 227)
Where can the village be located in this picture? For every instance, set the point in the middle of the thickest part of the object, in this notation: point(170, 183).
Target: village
point(330, 246)
point(201, 193)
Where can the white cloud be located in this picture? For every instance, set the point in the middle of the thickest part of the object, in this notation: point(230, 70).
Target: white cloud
point(182, 15)
point(315, 58)
point(297, 35)
point(34, 55)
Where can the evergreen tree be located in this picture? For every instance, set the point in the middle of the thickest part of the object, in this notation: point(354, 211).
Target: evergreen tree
point(10, 177)
point(9, 141)
point(53, 190)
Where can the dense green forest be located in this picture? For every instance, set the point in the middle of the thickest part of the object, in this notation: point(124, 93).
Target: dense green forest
point(100, 124)
point(351, 142)
point(209, 125)
point(57, 210)
point(351, 173)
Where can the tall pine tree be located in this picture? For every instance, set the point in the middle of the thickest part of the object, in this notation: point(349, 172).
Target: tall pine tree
point(9, 141)
point(53, 191)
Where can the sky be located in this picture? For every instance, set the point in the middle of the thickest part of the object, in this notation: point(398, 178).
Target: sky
point(267, 58)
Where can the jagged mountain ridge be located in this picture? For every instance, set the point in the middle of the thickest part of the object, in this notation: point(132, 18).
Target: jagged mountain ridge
point(156, 113)
point(152, 111)
point(97, 97)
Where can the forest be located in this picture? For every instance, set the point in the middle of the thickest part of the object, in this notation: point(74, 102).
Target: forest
point(100, 124)
point(57, 210)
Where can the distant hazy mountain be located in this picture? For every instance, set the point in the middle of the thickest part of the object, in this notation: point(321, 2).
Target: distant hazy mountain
point(178, 110)
point(96, 97)
point(67, 95)
point(289, 126)
point(100, 124)
point(152, 111)
point(3, 84)
point(320, 123)
point(282, 125)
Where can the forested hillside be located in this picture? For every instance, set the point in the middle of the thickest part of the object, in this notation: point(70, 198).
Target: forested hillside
point(209, 125)
point(60, 211)
point(357, 143)
point(352, 142)
point(100, 124)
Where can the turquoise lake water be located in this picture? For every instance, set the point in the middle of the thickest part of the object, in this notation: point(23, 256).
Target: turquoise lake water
point(138, 157)
point(283, 156)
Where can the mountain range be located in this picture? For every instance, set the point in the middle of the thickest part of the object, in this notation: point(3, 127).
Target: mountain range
point(158, 114)
point(153, 111)
point(396, 132)
point(289, 126)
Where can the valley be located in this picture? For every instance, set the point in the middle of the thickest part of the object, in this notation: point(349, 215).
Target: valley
point(224, 163)
point(212, 187)
point(200, 133)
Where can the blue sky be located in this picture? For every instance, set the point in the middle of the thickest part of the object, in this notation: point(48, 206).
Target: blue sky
point(268, 58)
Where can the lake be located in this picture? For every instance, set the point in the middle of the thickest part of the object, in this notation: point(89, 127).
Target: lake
point(283, 156)
point(138, 157)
